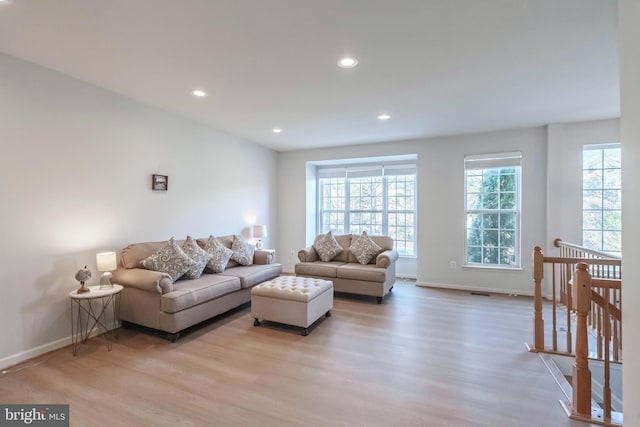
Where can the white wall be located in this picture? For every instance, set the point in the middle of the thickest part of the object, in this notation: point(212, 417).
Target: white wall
point(440, 203)
point(629, 37)
point(564, 183)
point(75, 176)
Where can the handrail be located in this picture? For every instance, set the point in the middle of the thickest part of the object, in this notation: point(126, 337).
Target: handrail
point(613, 310)
point(559, 243)
point(575, 260)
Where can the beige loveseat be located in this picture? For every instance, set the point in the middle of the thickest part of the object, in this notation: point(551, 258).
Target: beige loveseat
point(347, 274)
point(152, 299)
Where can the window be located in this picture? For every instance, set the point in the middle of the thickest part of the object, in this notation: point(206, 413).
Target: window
point(601, 205)
point(492, 208)
point(378, 199)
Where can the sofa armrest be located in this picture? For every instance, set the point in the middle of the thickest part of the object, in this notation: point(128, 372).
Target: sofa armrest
point(146, 280)
point(386, 258)
point(308, 255)
point(263, 256)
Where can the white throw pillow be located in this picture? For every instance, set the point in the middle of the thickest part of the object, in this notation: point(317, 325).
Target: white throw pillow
point(327, 247)
point(364, 249)
point(220, 255)
point(169, 259)
point(242, 251)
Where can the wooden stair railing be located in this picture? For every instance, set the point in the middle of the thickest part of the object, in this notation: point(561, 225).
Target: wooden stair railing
point(585, 298)
point(559, 292)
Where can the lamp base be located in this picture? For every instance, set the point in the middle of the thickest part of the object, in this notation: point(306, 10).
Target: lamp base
point(105, 280)
point(259, 244)
point(83, 290)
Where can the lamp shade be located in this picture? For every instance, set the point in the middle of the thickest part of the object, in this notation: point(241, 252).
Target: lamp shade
point(106, 261)
point(259, 231)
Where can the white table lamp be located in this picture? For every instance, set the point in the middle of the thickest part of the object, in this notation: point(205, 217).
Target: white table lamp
point(259, 231)
point(106, 262)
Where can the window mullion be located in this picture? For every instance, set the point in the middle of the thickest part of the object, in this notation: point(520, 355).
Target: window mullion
point(347, 205)
point(385, 207)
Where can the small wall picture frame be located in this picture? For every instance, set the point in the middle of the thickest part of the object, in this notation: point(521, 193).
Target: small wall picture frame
point(159, 182)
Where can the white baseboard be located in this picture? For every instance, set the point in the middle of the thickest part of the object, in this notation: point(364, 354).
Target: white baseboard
point(34, 352)
point(475, 288)
point(39, 351)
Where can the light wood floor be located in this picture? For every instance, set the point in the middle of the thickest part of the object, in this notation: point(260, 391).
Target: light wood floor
point(424, 357)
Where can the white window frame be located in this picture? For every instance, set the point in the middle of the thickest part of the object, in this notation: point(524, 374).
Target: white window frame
point(602, 209)
point(491, 161)
point(384, 170)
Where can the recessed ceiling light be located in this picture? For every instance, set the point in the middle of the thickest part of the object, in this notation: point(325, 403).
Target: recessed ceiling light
point(199, 93)
point(277, 130)
point(347, 62)
point(383, 117)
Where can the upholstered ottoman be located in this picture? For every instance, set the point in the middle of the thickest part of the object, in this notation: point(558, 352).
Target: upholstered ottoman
point(297, 301)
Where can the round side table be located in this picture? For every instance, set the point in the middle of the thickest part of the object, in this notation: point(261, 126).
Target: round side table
point(91, 309)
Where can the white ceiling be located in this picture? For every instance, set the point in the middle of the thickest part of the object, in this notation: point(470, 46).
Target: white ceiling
point(438, 67)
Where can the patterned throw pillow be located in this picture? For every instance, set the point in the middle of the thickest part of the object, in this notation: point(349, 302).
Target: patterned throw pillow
point(327, 247)
point(364, 249)
point(169, 259)
point(220, 255)
point(199, 255)
point(242, 251)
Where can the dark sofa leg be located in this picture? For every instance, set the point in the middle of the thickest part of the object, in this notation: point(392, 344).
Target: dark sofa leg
point(390, 289)
point(305, 332)
point(256, 322)
point(173, 337)
point(379, 300)
point(328, 313)
point(125, 325)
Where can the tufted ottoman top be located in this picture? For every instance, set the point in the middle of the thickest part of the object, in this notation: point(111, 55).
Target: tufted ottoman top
point(292, 288)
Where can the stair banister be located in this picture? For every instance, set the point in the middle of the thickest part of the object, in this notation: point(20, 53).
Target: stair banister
point(538, 322)
point(581, 373)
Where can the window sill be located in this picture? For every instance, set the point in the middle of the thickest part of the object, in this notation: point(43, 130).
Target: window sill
point(490, 268)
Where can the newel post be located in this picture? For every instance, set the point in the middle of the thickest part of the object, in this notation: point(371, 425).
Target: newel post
point(581, 373)
point(538, 322)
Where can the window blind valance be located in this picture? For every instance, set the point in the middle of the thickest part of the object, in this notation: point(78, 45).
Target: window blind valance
point(496, 160)
point(366, 171)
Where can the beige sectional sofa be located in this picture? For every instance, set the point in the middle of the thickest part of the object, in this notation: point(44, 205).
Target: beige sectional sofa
point(152, 299)
point(375, 278)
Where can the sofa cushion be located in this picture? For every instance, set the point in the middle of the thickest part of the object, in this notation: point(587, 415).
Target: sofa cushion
point(188, 293)
point(242, 251)
point(318, 268)
point(197, 254)
point(327, 246)
point(220, 255)
point(169, 259)
point(251, 275)
point(367, 273)
point(364, 249)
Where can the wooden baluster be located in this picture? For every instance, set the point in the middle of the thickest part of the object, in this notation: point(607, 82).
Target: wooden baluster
point(617, 341)
point(581, 372)
point(570, 278)
point(554, 307)
point(538, 322)
point(602, 321)
point(563, 278)
point(606, 388)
